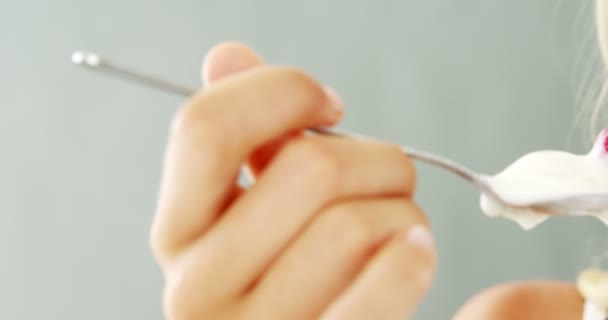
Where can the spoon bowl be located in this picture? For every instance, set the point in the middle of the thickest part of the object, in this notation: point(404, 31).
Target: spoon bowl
point(591, 202)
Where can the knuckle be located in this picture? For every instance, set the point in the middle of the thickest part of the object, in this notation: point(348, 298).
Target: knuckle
point(415, 271)
point(408, 171)
point(429, 265)
point(177, 306)
point(157, 243)
point(414, 212)
point(424, 279)
point(305, 91)
point(315, 163)
point(195, 124)
point(404, 167)
point(347, 230)
point(183, 120)
point(180, 302)
point(422, 261)
point(174, 305)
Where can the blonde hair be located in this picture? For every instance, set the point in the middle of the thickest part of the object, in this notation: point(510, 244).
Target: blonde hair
point(601, 21)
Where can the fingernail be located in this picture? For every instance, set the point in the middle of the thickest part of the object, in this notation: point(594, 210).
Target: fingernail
point(335, 100)
point(420, 236)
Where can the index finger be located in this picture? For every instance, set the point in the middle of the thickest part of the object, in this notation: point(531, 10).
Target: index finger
point(216, 132)
point(228, 59)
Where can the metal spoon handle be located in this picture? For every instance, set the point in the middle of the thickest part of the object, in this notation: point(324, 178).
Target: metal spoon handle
point(420, 155)
point(95, 62)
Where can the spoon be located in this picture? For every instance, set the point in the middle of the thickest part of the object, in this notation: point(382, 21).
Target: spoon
point(557, 206)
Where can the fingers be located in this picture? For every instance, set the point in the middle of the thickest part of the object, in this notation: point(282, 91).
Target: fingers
point(525, 301)
point(216, 132)
point(327, 256)
point(393, 283)
point(228, 59)
point(308, 175)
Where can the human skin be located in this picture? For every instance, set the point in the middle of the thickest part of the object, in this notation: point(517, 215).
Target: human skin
point(329, 230)
point(525, 301)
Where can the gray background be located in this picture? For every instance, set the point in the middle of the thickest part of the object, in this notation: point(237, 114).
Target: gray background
point(482, 81)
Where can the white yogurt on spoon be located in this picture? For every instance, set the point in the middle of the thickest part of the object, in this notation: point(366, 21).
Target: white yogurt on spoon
point(543, 176)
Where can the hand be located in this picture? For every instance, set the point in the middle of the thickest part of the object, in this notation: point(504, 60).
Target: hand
point(329, 230)
point(525, 301)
